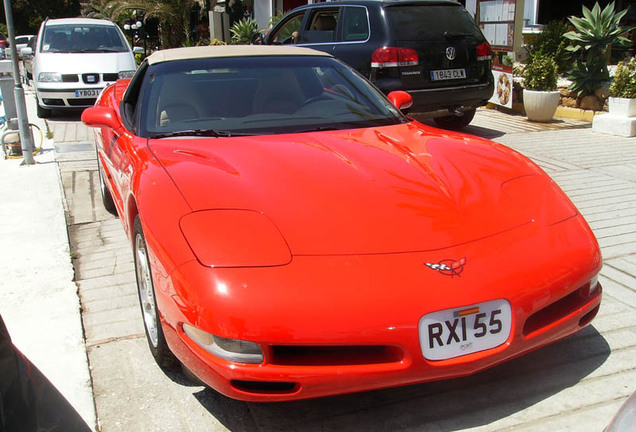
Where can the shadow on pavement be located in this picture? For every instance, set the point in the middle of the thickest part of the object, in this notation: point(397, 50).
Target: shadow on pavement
point(461, 403)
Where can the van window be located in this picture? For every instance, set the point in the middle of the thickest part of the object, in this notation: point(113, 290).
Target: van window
point(83, 38)
point(356, 24)
point(428, 22)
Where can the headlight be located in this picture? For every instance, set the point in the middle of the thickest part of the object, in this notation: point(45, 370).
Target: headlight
point(228, 349)
point(125, 74)
point(234, 238)
point(50, 77)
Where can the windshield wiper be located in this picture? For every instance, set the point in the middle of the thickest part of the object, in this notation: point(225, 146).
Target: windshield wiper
point(199, 132)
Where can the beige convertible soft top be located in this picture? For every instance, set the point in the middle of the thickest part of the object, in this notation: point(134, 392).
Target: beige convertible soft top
point(230, 51)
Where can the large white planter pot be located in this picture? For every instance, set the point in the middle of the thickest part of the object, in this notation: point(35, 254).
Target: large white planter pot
point(540, 106)
point(622, 107)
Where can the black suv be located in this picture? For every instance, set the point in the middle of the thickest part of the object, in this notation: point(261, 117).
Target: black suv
point(432, 49)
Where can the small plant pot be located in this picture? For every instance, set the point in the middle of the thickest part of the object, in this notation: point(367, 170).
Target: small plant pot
point(540, 106)
point(622, 107)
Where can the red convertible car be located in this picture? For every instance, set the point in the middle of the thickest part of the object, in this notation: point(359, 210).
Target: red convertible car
point(295, 235)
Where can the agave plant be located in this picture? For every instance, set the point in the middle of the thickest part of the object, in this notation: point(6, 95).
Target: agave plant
point(243, 31)
point(592, 35)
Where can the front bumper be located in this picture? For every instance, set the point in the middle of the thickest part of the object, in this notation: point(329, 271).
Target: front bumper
point(67, 98)
point(342, 324)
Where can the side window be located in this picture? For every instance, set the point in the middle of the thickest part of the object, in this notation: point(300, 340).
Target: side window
point(356, 24)
point(288, 32)
point(322, 26)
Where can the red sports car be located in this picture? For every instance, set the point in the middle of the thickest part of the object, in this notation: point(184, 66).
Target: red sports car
point(295, 235)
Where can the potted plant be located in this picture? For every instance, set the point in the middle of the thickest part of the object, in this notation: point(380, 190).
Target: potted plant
point(591, 39)
point(540, 94)
point(622, 101)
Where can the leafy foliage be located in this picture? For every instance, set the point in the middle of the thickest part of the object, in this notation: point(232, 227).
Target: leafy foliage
point(592, 35)
point(540, 73)
point(243, 31)
point(624, 85)
point(173, 15)
point(552, 43)
point(29, 14)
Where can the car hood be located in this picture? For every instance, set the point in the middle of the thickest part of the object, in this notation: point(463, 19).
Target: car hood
point(385, 190)
point(77, 63)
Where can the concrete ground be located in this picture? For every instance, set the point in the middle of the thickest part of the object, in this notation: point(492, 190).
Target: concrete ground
point(576, 384)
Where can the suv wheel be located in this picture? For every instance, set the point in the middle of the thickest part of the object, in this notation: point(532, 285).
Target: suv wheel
point(43, 112)
point(456, 122)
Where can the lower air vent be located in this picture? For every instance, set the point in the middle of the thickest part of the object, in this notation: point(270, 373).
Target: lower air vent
point(335, 355)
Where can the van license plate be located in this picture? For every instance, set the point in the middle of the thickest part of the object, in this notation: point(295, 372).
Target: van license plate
point(87, 93)
point(447, 74)
point(456, 332)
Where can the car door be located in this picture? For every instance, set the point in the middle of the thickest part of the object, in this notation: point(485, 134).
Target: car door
point(355, 46)
point(320, 29)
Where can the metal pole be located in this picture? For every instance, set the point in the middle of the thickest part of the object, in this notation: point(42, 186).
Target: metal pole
point(23, 120)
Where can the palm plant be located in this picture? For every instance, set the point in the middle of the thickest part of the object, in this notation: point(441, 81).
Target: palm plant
point(173, 15)
point(592, 35)
point(243, 31)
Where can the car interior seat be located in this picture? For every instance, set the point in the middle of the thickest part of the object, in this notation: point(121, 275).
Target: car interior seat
point(324, 23)
point(278, 91)
point(178, 101)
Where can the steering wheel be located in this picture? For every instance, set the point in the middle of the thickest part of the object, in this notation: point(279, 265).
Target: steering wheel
point(320, 97)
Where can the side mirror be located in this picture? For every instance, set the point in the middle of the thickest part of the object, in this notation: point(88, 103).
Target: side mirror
point(400, 99)
point(100, 116)
point(138, 50)
point(26, 51)
point(257, 39)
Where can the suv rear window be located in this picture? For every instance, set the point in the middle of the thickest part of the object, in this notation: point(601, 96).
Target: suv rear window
point(428, 22)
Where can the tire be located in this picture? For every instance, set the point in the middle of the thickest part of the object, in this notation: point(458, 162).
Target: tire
point(456, 122)
point(107, 198)
point(146, 291)
point(43, 112)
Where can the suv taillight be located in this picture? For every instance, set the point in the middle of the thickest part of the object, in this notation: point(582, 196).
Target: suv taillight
point(484, 52)
point(393, 57)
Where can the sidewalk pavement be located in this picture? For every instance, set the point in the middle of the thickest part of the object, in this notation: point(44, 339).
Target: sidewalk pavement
point(38, 297)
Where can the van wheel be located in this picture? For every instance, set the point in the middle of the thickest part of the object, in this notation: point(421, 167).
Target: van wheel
point(43, 112)
point(456, 122)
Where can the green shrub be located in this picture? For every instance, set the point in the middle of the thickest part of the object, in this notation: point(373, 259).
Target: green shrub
point(540, 73)
point(551, 42)
point(624, 85)
point(592, 35)
point(243, 31)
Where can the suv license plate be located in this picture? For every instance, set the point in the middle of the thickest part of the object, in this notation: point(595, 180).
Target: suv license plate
point(447, 74)
point(87, 93)
point(456, 332)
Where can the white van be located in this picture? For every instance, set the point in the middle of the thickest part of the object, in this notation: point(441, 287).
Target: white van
point(74, 59)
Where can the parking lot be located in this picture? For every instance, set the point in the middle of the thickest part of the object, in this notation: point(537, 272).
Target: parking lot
point(576, 384)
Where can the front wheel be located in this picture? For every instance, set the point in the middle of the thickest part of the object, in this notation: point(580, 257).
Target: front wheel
point(145, 287)
point(456, 122)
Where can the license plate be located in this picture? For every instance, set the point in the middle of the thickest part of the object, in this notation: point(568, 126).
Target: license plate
point(87, 93)
point(456, 332)
point(447, 74)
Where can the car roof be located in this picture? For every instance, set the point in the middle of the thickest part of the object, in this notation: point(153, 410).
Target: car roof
point(75, 21)
point(230, 51)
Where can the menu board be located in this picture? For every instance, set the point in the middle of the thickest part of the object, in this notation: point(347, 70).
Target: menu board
point(496, 19)
point(497, 22)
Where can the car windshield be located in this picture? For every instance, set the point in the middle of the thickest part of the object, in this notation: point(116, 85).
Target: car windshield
point(82, 38)
point(258, 96)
